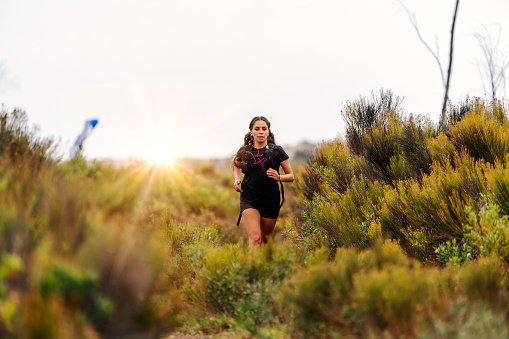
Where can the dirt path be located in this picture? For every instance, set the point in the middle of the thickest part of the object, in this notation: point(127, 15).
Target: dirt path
point(195, 336)
point(171, 336)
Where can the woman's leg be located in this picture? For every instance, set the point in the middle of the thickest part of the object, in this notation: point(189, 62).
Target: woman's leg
point(252, 222)
point(267, 227)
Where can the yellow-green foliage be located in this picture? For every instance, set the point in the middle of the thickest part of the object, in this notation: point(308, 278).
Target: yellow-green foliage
point(489, 232)
point(200, 196)
point(96, 253)
point(347, 217)
point(483, 135)
point(434, 207)
point(235, 287)
point(381, 291)
point(429, 177)
point(498, 183)
point(90, 249)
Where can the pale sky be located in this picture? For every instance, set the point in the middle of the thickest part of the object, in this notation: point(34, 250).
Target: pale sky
point(184, 78)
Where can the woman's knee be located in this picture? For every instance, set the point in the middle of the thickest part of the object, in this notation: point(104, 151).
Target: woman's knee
point(255, 238)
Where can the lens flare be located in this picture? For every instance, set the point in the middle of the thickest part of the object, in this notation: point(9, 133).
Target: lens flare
point(161, 155)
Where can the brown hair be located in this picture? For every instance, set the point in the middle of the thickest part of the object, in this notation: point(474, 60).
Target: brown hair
point(247, 138)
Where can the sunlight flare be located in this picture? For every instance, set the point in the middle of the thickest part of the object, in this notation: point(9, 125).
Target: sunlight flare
point(160, 154)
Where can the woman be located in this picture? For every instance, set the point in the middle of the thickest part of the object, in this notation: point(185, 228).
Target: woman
point(259, 159)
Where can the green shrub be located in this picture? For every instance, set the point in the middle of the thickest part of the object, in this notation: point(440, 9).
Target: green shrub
point(346, 218)
point(360, 293)
point(434, 176)
point(489, 232)
point(482, 135)
point(241, 285)
point(362, 114)
point(434, 207)
point(483, 281)
point(498, 183)
point(10, 266)
point(452, 253)
point(79, 290)
point(330, 165)
point(379, 292)
point(395, 297)
point(442, 150)
point(20, 144)
point(413, 142)
point(454, 114)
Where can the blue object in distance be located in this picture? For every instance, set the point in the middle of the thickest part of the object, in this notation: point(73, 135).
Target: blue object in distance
point(78, 144)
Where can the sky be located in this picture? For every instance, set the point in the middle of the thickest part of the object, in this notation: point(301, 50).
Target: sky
point(173, 78)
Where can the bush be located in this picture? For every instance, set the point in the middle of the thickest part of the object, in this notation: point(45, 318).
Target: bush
point(356, 291)
point(362, 114)
point(20, 144)
point(489, 232)
point(379, 292)
point(498, 183)
point(435, 206)
point(346, 218)
point(482, 135)
point(79, 291)
point(433, 175)
point(234, 288)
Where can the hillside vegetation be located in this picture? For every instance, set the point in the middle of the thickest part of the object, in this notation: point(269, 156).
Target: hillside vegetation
point(396, 230)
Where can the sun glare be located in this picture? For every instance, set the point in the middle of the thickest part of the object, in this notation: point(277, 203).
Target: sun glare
point(161, 155)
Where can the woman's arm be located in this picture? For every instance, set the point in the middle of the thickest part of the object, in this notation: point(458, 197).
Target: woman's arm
point(237, 172)
point(288, 176)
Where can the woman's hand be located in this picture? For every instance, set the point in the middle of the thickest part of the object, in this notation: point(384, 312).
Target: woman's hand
point(273, 174)
point(236, 186)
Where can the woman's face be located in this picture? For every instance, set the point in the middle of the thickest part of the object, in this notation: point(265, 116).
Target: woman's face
point(260, 131)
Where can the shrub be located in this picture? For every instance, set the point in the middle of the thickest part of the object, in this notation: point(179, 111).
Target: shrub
point(434, 207)
point(455, 113)
point(357, 294)
point(10, 266)
point(20, 144)
point(79, 291)
point(49, 318)
point(482, 281)
point(489, 232)
point(362, 114)
point(379, 292)
point(482, 135)
point(317, 171)
point(498, 182)
point(413, 139)
point(241, 285)
point(346, 218)
point(452, 253)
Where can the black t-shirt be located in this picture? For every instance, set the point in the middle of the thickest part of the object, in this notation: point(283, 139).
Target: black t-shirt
point(257, 186)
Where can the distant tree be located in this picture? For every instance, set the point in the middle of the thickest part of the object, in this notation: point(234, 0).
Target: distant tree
point(495, 66)
point(445, 80)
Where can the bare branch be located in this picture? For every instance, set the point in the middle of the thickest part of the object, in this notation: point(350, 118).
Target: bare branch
point(413, 22)
point(446, 95)
point(495, 64)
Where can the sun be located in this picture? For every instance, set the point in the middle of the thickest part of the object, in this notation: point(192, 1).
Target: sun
point(161, 154)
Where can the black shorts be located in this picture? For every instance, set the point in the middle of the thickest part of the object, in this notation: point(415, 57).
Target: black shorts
point(267, 209)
